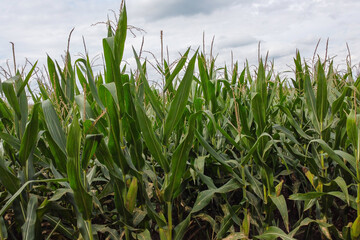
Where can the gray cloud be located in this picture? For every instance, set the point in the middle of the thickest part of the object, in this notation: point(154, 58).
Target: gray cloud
point(159, 9)
point(38, 27)
point(236, 42)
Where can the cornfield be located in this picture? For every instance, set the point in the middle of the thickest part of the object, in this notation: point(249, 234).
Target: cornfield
point(217, 153)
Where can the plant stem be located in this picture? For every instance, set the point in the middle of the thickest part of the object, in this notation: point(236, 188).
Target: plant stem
point(358, 185)
point(169, 208)
point(90, 230)
point(127, 233)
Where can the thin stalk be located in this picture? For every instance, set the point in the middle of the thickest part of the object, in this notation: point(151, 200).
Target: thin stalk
point(323, 171)
point(243, 178)
point(52, 231)
point(169, 212)
point(127, 233)
point(358, 185)
point(357, 157)
point(90, 229)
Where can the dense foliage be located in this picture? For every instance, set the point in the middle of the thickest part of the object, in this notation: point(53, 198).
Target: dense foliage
point(216, 153)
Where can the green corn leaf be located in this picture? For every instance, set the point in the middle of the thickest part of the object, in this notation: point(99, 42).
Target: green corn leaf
point(258, 108)
point(212, 151)
point(83, 81)
point(115, 131)
point(348, 157)
point(8, 179)
point(181, 228)
point(306, 196)
point(312, 195)
point(69, 233)
point(132, 195)
point(322, 103)
point(179, 66)
point(253, 148)
point(120, 199)
point(204, 77)
point(293, 123)
point(3, 229)
point(28, 229)
point(8, 89)
point(254, 184)
point(180, 100)
point(91, 143)
point(69, 79)
point(5, 111)
point(150, 139)
point(306, 222)
point(280, 203)
point(120, 36)
point(287, 133)
point(204, 197)
point(355, 228)
point(202, 201)
point(29, 139)
point(235, 236)
point(344, 188)
point(113, 234)
point(44, 93)
point(11, 140)
point(333, 156)
point(26, 81)
point(82, 198)
point(55, 82)
point(336, 105)
point(91, 81)
point(178, 161)
point(352, 128)
point(53, 125)
point(23, 104)
point(244, 120)
point(58, 154)
point(299, 73)
point(88, 111)
point(19, 191)
point(273, 233)
point(155, 103)
point(145, 235)
point(108, 46)
point(261, 85)
point(154, 215)
point(84, 226)
point(310, 98)
point(226, 223)
point(132, 127)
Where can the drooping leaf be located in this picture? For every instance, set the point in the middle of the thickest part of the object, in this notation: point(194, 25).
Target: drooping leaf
point(273, 233)
point(280, 203)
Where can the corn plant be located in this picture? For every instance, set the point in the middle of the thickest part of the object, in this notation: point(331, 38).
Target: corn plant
point(217, 153)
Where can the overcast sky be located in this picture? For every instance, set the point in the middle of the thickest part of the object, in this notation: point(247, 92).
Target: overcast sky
point(40, 27)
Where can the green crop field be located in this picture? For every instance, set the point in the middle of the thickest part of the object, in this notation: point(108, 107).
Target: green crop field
point(218, 153)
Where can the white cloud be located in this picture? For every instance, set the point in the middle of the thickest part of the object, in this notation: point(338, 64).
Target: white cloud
point(42, 26)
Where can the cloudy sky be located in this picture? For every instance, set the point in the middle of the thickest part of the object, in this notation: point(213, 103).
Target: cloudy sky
point(41, 27)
